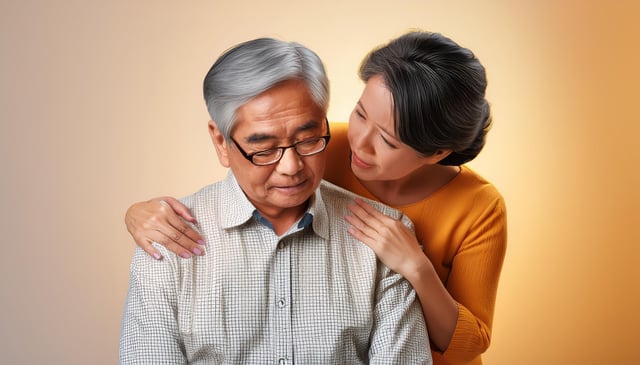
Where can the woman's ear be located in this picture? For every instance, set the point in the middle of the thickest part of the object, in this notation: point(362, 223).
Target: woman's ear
point(439, 155)
point(220, 144)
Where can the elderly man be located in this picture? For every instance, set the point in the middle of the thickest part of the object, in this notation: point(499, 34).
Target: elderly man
point(283, 283)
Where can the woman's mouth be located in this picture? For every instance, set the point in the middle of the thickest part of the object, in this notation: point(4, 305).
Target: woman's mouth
point(358, 162)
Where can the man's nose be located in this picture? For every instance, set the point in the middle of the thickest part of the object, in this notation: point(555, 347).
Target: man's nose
point(290, 163)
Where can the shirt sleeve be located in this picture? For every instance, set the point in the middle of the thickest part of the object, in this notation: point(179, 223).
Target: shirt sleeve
point(149, 333)
point(399, 335)
point(473, 282)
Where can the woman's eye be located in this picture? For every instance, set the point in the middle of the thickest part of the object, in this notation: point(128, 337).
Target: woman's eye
point(388, 143)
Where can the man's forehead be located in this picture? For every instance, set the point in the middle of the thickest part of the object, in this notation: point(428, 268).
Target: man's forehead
point(257, 131)
point(289, 101)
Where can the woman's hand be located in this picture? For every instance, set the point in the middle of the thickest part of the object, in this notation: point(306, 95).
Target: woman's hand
point(394, 244)
point(158, 220)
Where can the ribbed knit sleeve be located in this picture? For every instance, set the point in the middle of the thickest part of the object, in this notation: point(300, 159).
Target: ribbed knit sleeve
point(473, 279)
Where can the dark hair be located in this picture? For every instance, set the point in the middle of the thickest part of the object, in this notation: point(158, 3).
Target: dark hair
point(438, 90)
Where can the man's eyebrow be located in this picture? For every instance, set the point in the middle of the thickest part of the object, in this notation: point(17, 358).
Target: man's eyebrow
point(309, 125)
point(262, 137)
point(259, 137)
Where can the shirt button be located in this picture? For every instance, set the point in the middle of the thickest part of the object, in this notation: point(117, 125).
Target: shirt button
point(280, 245)
point(281, 303)
point(282, 361)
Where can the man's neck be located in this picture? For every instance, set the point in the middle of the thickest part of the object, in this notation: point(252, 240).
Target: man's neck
point(283, 219)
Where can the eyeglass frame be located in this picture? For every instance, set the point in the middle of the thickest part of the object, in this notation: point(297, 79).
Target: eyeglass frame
point(282, 149)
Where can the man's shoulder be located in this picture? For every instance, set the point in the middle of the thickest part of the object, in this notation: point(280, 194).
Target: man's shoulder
point(208, 193)
point(338, 197)
point(336, 193)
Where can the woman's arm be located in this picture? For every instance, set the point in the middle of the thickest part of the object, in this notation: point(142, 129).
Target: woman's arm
point(397, 247)
point(159, 220)
point(459, 315)
point(474, 276)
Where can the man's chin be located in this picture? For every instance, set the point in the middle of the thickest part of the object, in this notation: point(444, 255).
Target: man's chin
point(293, 201)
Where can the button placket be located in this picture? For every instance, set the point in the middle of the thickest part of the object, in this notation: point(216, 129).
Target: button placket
point(282, 298)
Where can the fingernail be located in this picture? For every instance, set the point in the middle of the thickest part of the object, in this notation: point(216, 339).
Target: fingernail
point(185, 255)
point(157, 256)
point(201, 242)
point(197, 251)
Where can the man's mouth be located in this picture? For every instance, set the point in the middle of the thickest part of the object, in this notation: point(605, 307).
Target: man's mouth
point(291, 187)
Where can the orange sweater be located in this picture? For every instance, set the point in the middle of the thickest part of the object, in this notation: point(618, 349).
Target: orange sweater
point(463, 230)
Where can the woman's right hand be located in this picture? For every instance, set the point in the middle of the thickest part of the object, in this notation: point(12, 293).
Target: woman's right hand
point(158, 220)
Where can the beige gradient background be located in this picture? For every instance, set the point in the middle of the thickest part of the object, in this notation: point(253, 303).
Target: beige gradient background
point(100, 106)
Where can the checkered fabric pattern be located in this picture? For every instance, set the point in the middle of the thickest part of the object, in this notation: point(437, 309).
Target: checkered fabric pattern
point(314, 295)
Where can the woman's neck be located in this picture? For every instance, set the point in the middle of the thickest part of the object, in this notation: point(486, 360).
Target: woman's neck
point(414, 187)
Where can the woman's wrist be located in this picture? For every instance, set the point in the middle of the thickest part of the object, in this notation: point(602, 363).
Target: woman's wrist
point(418, 268)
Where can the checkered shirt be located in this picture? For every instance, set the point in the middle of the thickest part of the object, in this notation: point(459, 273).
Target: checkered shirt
point(314, 295)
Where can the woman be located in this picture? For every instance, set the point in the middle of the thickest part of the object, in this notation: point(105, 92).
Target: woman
point(421, 116)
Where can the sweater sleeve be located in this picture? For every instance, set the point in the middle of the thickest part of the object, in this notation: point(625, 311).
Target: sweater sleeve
point(473, 281)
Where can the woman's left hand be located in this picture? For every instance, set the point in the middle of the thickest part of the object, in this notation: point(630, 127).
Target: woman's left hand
point(394, 244)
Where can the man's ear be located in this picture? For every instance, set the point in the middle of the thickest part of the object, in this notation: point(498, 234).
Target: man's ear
point(219, 143)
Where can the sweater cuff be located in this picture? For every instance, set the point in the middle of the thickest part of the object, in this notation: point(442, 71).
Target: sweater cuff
point(470, 338)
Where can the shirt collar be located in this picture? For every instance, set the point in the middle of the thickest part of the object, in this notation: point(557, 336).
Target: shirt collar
point(316, 216)
point(318, 211)
point(235, 209)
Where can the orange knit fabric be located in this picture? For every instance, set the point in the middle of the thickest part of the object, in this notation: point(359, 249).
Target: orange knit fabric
point(463, 230)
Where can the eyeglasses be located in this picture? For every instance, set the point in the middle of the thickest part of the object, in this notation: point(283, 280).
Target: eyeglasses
point(308, 147)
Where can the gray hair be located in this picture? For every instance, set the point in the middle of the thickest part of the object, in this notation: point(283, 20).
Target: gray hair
point(253, 67)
